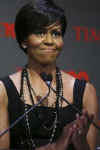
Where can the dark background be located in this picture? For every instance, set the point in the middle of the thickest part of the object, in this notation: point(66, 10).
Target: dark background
point(76, 55)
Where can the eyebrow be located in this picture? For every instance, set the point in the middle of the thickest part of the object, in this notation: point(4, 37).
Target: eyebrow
point(53, 26)
point(54, 29)
point(45, 30)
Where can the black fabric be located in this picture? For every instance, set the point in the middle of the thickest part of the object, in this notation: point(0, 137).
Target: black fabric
point(39, 116)
point(78, 92)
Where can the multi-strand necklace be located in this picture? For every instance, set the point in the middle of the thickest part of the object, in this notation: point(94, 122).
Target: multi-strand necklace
point(59, 92)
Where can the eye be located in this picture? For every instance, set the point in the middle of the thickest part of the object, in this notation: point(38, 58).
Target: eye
point(56, 33)
point(39, 33)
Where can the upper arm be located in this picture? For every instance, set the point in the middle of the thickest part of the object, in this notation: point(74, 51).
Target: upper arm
point(4, 121)
point(90, 103)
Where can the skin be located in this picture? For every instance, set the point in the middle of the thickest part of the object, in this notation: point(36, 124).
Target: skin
point(43, 50)
point(44, 47)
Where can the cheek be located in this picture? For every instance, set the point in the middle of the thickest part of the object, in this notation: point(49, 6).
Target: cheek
point(60, 44)
point(34, 44)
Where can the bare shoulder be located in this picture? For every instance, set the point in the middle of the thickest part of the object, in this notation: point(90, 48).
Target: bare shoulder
point(90, 89)
point(3, 94)
point(68, 84)
point(90, 93)
point(16, 75)
point(4, 119)
point(68, 79)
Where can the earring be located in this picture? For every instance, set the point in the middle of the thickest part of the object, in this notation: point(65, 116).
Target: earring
point(24, 46)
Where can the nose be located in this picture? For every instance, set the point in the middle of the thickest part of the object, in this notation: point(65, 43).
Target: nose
point(48, 39)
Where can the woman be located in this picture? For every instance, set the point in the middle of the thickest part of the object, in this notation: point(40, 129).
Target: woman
point(40, 27)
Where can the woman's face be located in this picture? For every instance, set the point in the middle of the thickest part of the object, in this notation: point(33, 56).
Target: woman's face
point(45, 45)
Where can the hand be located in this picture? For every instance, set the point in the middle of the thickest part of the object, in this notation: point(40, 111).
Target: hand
point(75, 132)
point(80, 130)
point(65, 139)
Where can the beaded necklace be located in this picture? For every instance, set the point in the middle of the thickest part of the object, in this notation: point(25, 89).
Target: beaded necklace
point(59, 88)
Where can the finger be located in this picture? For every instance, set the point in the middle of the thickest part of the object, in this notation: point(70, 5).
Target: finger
point(75, 127)
point(64, 139)
point(67, 140)
point(70, 132)
point(84, 112)
point(77, 116)
point(85, 116)
point(92, 116)
point(89, 117)
point(80, 131)
point(67, 131)
point(80, 121)
point(75, 135)
point(84, 121)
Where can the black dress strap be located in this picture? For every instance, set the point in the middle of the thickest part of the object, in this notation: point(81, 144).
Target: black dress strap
point(78, 92)
point(15, 105)
point(10, 88)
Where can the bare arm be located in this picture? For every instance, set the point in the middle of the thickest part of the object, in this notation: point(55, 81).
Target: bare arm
point(4, 123)
point(86, 141)
point(84, 135)
point(90, 103)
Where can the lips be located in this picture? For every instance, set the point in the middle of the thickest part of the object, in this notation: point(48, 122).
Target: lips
point(48, 50)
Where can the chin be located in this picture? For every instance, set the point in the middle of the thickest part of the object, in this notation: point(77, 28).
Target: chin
point(45, 63)
point(46, 60)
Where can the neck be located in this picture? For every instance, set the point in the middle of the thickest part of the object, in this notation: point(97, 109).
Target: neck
point(36, 69)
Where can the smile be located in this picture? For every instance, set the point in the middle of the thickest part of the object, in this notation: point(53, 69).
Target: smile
point(48, 50)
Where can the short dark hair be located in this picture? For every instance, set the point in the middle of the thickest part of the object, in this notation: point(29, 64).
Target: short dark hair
point(35, 15)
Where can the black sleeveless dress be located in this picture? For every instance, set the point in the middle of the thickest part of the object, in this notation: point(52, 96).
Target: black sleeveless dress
point(38, 117)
